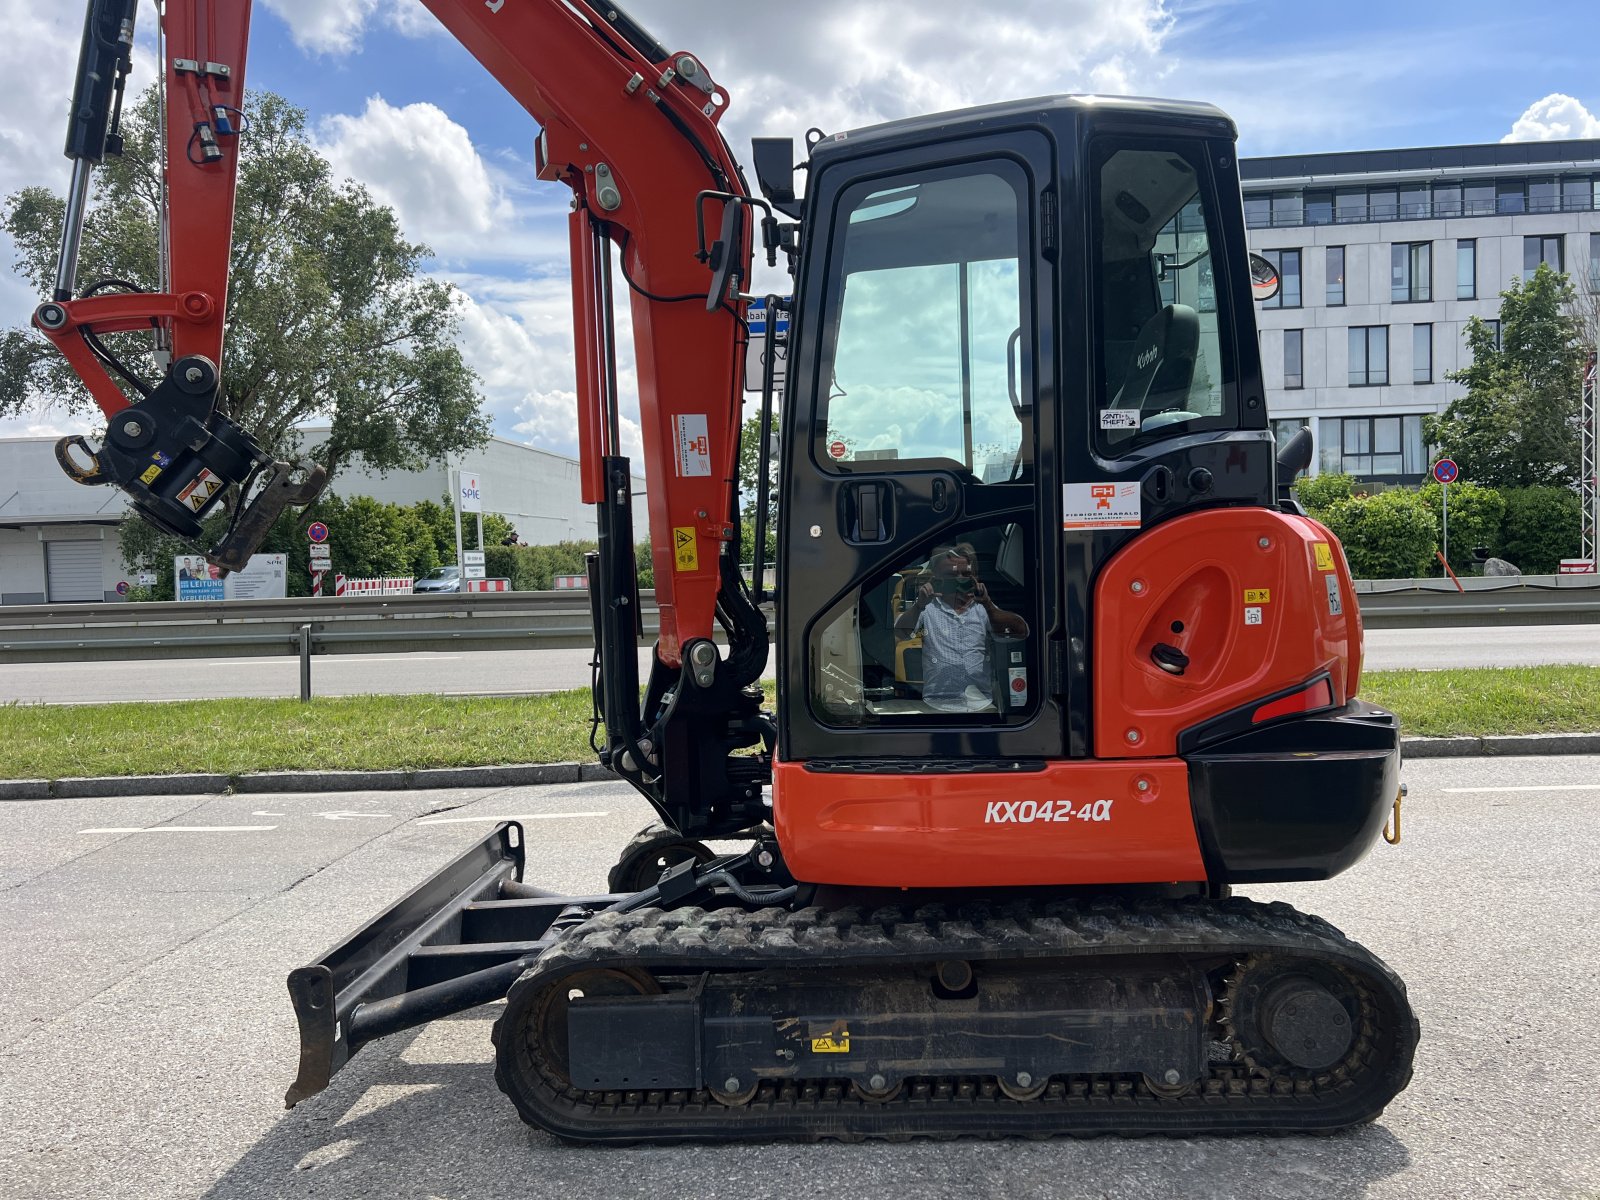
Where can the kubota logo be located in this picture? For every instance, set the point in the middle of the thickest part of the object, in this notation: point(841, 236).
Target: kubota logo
point(1148, 357)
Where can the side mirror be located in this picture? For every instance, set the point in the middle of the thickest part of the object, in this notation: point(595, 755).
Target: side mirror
point(725, 254)
point(1264, 281)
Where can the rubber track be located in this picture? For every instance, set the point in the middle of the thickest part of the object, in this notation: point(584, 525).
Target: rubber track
point(1233, 1099)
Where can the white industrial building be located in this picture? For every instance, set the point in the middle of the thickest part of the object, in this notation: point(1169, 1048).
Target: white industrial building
point(1384, 254)
point(60, 541)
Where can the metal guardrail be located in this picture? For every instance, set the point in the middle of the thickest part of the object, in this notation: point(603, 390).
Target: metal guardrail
point(560, 620)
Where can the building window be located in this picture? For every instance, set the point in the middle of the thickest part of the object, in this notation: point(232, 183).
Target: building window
point(1422, 354)
point(1542, 248)
point(1287, 209)
point(1594, 262)
point(1494, 328)
point(1447, 199)
point(1350, 205)
point(1258, 211)
point(1335, 275)
point(1478, 199)
point(1410, 271)
point(1288, 264)
point(1542, 196)
point(1368, 446)
point(1510, 195)
point(1294, 358)
point(1283, 431)
point(1369, 355)
point(1575, 193)
point(1319, 208)
point(1414, 202)
point(1466, 269)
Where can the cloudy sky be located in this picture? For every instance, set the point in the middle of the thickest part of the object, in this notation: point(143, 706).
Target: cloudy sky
point(397, 105)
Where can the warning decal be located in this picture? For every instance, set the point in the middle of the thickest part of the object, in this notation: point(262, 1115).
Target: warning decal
point(685, 553)
point(151, 474)
point(1324, 553)
point(1119, 418)
point(1100, 506)
point(835, 1041)
point(694, 445)
point(1258, 596)
point(204, 486)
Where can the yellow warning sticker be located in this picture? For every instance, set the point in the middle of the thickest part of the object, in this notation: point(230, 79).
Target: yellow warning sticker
point(151, 474)
point(686, 553)
point(1324, 553)
point(836, 1041)
point(1258, 595)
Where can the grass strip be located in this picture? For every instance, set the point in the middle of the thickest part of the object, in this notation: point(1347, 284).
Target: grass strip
point(375, 733)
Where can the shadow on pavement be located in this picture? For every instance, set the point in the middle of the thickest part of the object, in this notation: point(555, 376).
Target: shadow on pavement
point(392, 1126)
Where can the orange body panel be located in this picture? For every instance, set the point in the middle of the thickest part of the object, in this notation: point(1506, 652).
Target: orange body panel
point(1259, 600)
point(1071, 823)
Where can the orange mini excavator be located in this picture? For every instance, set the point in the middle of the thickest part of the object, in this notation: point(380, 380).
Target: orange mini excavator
point(1059, 660)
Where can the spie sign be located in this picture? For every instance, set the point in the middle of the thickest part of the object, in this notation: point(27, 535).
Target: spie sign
point(470, 490)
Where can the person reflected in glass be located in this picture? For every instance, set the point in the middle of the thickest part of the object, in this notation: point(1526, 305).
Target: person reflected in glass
point(956, 618)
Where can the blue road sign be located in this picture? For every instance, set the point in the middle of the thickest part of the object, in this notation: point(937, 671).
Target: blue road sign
point(1446, 471)
point(317, 532)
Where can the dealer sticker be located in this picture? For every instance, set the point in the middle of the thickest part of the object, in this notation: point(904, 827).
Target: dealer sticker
point(1100, 506)
point(1335, 602)
point(694, 445)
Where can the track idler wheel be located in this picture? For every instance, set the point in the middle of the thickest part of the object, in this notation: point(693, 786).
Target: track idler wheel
point(531, 1035)
point(1293, 1016)
point(651, 851)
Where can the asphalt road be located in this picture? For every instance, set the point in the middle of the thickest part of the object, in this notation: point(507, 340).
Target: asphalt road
point(146, 1038)
point(504, 671)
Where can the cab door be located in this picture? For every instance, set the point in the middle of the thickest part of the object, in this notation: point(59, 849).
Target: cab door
point(919, 604)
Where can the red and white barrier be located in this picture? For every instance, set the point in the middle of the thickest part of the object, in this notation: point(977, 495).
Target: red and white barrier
point(1577, 566)
point(394, 585)
point(488, 585)
point(564, 582)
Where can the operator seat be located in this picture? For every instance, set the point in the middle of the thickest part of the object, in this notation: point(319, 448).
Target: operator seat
point(1160, 365)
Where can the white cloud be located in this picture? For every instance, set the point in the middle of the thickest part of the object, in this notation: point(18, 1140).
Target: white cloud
point(335, 27)
point(1555, 117)
point(422, 164)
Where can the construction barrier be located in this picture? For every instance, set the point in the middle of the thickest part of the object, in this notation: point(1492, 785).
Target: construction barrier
point(1577, 566)
point(388, 586)
point(488, 585)
point(563, 583)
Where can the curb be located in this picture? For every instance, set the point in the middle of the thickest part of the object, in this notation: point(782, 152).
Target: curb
point(534, 775)
point(527, 775)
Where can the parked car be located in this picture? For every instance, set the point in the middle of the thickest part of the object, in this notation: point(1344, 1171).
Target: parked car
point(440, 579)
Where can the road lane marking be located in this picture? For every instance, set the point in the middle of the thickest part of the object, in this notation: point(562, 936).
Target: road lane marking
point(342, 815)
point(291, 661)
point(1535, 787)
point(261, 812)
point(186, 829)
point(522, 817)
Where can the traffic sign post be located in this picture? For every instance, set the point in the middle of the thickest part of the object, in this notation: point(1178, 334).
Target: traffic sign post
point(1446, 472)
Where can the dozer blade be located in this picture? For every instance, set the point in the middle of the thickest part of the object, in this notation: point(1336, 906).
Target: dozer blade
point(458, 940)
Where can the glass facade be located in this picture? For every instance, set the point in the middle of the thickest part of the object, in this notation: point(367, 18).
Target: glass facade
point(1594, 262)
point(1420, 201)
point(1369, 355)
point(1368, 446)
point(1335, 290)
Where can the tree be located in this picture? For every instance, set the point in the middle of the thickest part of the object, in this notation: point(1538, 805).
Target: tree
point(328, 314)
point(1517, 425)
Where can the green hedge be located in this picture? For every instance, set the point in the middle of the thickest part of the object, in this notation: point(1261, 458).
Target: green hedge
point(1390, 536)
point(1476, 516)
point(1542, 525)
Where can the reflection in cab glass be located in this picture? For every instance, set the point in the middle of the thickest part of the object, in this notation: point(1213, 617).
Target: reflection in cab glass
point(927, 344)
point(938, 639)
point(1161, 364)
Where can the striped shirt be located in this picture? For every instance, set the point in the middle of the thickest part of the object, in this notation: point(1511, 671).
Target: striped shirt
point(955, 654)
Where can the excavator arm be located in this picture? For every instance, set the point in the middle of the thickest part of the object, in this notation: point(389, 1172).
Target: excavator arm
point(632, 129)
